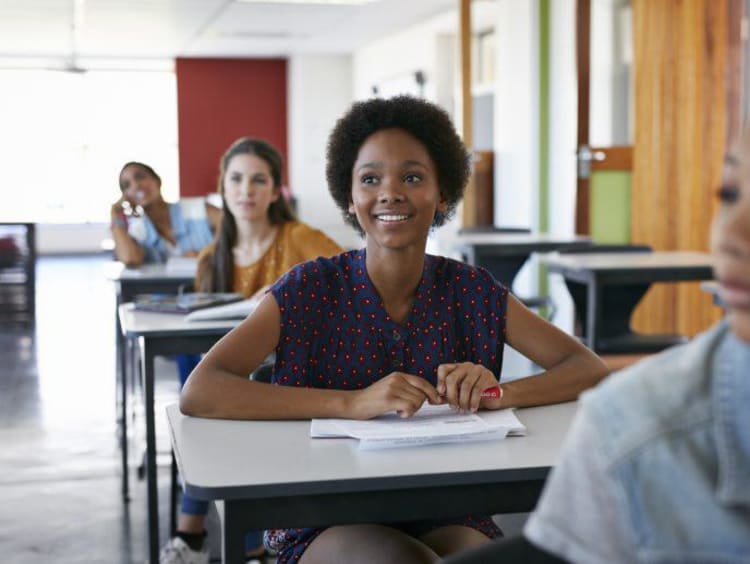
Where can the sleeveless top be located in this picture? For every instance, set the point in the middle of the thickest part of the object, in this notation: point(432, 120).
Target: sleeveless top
point(336, 333)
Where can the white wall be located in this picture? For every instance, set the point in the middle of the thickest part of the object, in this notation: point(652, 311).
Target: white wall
point(516, 114)
point(390, 62)
point(319, 92)
point(562, 139)
point(562, 115)
point(58, 238)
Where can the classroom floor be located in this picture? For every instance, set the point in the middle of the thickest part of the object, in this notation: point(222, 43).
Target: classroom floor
point(60, 477)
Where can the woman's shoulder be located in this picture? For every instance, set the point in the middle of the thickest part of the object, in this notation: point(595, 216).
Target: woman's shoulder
point(325, 267)
point(323, 276)
point(659, 398)
point(320, 269)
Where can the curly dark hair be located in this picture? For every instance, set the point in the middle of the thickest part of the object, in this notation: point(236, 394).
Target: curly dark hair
point(150, 171)
point(427, 122)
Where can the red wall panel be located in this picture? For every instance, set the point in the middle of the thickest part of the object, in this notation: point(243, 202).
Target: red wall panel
point(219, 100)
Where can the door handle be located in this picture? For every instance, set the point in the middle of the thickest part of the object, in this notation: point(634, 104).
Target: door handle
point(585, 156)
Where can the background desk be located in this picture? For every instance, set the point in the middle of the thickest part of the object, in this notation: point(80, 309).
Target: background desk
point(161, 334)
point(596, 270)
point(504, 254)
point(309, 482)
point(129, 282)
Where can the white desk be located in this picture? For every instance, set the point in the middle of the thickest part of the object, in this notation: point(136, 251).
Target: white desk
point(161, 334)
point(129, 282)
point(299, 481)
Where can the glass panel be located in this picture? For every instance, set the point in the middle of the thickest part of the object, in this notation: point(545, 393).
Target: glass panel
point(611, 71)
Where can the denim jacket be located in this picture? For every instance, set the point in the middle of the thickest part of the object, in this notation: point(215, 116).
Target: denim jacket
point(190, 227)
point(656, 467)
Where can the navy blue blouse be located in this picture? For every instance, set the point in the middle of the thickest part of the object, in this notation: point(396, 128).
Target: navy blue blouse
point(336, 333)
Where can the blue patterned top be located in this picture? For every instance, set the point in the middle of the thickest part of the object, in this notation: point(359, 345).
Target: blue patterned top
point(190, 227)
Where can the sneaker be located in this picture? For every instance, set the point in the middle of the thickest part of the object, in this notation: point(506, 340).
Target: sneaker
point(177, 551)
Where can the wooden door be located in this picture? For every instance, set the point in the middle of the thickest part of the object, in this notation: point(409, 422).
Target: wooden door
point(687, 111)
point(687, 79)
point(604, 130)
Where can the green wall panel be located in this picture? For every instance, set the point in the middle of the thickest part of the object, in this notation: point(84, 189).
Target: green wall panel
point(610, 206)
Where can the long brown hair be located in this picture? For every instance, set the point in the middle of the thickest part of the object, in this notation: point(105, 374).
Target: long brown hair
point(216, 270)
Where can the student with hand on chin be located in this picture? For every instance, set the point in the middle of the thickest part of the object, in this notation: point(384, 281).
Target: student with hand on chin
point(147, 229)
point(387, 327)
point(656, 467)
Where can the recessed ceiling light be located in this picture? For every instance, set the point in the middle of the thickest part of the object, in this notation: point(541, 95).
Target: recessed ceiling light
point(310, 2)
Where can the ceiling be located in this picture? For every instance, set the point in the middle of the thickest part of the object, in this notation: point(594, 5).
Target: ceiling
point(88, 34)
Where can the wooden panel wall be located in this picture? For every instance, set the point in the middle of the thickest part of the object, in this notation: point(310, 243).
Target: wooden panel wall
point(684, 78)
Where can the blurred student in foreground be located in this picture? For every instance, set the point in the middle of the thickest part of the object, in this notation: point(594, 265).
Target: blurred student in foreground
point(656, 467)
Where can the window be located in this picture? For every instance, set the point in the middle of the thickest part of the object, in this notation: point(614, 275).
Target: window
point(483, 58)
point(65, 136)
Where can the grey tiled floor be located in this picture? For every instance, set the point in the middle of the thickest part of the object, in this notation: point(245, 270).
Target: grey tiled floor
point(60, 474)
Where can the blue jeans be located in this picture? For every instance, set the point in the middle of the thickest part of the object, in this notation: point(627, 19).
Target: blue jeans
point(188, 505)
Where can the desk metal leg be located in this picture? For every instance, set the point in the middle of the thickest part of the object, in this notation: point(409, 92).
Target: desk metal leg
point(232, 535)
point(124, 429)
point(121, 376)
point(593, 313)
point(147, 360)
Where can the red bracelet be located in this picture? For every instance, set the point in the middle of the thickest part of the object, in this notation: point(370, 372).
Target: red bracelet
point(495, 392)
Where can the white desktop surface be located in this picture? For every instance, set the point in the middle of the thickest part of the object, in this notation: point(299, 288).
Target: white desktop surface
point(516, 239)
point(118, 272)
point(619, 261)
point(219, 458)
point(137, 323)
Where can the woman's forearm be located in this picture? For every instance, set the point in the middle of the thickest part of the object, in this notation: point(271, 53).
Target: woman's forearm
point(222, 395)
point(563, 382)
point(127, 250)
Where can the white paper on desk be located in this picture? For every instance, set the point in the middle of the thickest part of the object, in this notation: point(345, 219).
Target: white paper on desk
point(431, 424)
point(378, 444)
point(504, 418)
point(235, 310)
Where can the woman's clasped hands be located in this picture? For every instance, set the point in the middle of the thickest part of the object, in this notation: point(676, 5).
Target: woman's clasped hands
point(460, 385)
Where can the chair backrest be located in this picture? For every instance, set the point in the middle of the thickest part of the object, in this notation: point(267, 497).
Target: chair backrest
point(503, 269)
point(618, 301)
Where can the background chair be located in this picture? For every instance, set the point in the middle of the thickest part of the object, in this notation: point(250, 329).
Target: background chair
point(616, 336)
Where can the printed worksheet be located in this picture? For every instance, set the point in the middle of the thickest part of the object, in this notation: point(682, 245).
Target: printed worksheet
point(431, 424)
